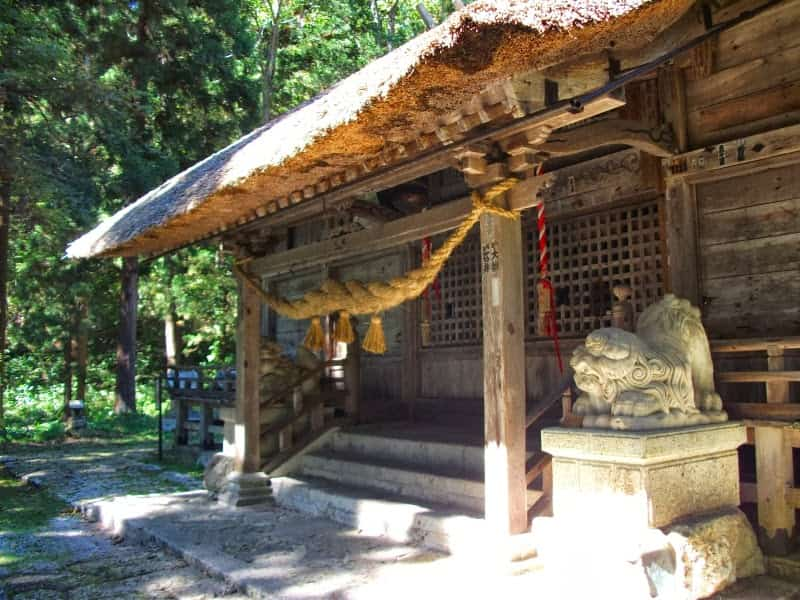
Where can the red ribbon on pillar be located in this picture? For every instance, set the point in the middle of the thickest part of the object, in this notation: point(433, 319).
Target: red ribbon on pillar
point(545, 291)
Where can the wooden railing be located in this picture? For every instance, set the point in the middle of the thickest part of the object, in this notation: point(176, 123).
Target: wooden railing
point(770, 430)
point(208, 387)
point(540, 465)
point(307, 416)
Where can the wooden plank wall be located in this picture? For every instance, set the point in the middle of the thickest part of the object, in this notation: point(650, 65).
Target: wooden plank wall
point(748, 80)
point(749, 237)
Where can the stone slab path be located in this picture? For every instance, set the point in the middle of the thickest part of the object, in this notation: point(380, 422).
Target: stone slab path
point(74, 560)
point(268, 552)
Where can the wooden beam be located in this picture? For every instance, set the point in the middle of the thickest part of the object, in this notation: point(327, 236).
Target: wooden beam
point(391, 234)
point(503, 374)
point(761, 410)
point(672, 93)
point(717, 161)
point(774, 475)
point(608, 132)
point(755, 344)
point(759, 376)
point(248, 356)
point(425, 163)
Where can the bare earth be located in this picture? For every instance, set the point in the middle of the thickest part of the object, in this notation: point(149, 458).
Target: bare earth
point(178, 544)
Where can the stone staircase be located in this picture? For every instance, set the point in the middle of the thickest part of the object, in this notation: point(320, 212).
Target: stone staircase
point(412, 483)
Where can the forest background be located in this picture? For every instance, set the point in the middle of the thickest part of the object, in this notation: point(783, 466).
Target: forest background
point(101, 101)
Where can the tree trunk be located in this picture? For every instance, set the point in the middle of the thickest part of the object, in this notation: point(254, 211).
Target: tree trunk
point(268, 72)
point(170, 338)
point(377, 23)
point(172, 341)
point(5, 214)
point(82, 351)
point(125, 400)
point(68, 353)
point(392, 26)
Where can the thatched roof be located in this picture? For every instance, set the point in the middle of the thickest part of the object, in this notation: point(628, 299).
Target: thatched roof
point(388, 100)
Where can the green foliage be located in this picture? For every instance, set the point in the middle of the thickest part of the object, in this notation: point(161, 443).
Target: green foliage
point(101, 102)
point(35, 414)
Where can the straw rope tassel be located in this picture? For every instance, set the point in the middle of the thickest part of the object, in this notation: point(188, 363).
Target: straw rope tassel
point(375, 341)
point(359, 298)
point(315, 338)
point(343, 329)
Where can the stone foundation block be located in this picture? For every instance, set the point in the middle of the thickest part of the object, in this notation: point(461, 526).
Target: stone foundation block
point(689, 560)
point(644, 479)
point(245, 489)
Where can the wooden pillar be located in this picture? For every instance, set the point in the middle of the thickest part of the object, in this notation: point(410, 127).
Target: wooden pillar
point(503, 374)
point(411, 375)
point(248, 354)
point(774, 476)
point(352, 379)
point(681, 232)
point(206, 416)
point(181, 418)
point(775, 470)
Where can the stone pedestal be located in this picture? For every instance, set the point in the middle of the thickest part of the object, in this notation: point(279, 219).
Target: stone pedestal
point(245, 489)
point(646, 514)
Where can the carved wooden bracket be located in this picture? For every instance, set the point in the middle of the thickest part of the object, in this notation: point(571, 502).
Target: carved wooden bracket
point(657, 142)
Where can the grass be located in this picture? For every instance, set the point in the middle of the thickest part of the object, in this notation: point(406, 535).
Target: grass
point(23, 507)
point(176, 461)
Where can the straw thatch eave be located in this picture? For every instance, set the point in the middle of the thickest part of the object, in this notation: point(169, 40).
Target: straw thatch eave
point(387, 102)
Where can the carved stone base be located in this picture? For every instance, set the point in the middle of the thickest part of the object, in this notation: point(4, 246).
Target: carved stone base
point(656, 421)
point(647, 479)
point(648, 514)
point(245, 489)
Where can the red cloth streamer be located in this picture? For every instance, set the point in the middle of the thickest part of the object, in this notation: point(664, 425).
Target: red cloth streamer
point(545, 285)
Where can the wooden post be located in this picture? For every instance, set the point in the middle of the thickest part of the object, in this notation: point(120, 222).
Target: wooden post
point(248, 356)
point(503, 374)
point(352, 380)
point(206, 416)
point(410, 383)
point(774, 476)
point(774, 470)
point(181, 417)
point(777, 391)
point(682, 255)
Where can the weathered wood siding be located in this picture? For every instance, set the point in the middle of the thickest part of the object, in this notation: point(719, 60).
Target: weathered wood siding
point(749, 238)
point(748, 79)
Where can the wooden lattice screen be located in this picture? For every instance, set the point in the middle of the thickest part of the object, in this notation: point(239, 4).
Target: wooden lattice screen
point(589, 254)
point(456, 317)
point(592, 253)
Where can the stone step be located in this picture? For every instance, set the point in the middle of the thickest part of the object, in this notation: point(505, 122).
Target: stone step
point(379, 514)
point(415, 481)
point(457, 459)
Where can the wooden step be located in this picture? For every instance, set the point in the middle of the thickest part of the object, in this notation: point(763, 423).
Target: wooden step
point(300, 445)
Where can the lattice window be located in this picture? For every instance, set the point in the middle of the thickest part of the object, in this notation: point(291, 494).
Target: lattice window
point(457, 319)
point(588, 255)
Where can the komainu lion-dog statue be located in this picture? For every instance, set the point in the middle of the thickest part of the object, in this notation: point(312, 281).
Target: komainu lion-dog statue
point(662, 376)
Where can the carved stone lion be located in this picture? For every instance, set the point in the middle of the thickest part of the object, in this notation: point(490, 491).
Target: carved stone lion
point(662, 376)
